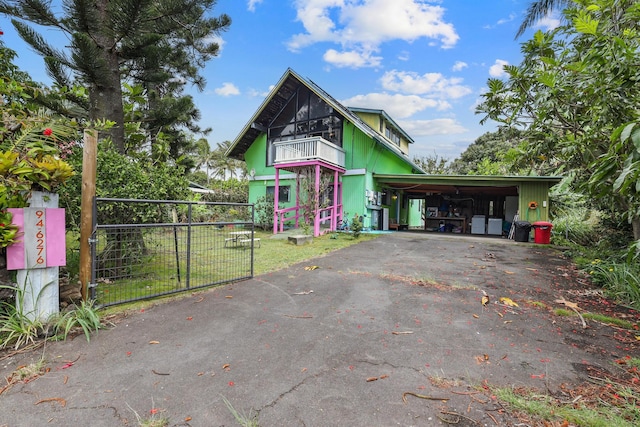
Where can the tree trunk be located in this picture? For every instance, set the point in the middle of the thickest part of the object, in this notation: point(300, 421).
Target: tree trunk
point(105, 94)
point(635, 224)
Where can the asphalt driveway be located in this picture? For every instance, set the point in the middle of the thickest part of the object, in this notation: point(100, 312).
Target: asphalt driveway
point(351, 342)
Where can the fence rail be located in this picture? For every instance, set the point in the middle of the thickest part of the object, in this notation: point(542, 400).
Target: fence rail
point(147, 248)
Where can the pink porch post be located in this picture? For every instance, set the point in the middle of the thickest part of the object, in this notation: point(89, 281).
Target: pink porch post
point(334, 211)
point(316, 196)
point(297, 199)
point(276, 192)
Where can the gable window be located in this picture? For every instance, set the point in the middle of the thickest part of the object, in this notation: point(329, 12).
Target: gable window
point(392, 134)
point(304, 115)
point(283, 192)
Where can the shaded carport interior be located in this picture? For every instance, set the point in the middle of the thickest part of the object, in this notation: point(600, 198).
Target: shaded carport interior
point(477, 194)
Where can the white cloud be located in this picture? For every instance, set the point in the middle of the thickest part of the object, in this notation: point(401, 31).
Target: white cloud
point(404, 55)
point(396, 105)
point(251, 5)
point(548, 23)
point(363, 25)
point(432, 127)
point(502, 21)
point(227, 89)
point(255, 93)
point(433, 84)
point(459, 66)
point(351, 59)
point(497, 70)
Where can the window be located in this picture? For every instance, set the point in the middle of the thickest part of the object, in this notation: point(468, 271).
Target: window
point(392, 134)
point(283, 192)
point(304, 115)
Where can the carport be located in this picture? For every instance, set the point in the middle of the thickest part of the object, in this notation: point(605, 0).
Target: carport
point(466, 203)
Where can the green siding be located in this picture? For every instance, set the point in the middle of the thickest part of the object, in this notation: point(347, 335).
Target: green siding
point(534, 192)
point(256, 156)
point(353, 195)
point(362, 152)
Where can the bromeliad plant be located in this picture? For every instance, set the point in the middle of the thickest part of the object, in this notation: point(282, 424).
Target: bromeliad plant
point(8, 231)
point(31, 139)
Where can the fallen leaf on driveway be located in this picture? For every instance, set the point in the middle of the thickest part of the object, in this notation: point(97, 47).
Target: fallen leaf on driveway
point(567, 303)
point(303, 293)
point(483, 358)
point(485, 299)
point(508, 301)
point(60, 400)
point(154, 342)
point(401, 332)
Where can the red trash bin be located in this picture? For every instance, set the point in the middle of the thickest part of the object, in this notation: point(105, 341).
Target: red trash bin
point(542, 232)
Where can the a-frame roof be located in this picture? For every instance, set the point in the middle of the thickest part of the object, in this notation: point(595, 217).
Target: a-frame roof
point(277, 99)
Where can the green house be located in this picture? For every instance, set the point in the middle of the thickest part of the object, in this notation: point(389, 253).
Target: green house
point(323, 162)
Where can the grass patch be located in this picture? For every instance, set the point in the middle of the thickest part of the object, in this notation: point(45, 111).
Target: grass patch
point(245, 420)
point(156, 418)
point(25, 374)
point(277, 253)
point(563, 312)
point(621, 323)
point(618, 407)
point(538, 304)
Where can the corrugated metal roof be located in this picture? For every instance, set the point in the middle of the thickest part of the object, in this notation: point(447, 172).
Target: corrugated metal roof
point(459, 184)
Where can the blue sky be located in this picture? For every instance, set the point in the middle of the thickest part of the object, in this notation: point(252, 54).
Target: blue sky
point(425, 63)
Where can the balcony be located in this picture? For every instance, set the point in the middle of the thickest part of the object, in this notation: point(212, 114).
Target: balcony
point(308, 149)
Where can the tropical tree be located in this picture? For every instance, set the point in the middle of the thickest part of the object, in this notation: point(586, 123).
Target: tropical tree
point(434, 164)
point(160, 45)
point(492, 153)
point(575, 96)
point(226, 167)
point(538, 10)
point(204, 157)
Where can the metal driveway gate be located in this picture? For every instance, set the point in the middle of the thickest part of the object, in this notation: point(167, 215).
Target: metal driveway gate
point(147, 248)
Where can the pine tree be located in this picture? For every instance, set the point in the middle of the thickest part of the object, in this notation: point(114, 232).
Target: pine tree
point(158, 44)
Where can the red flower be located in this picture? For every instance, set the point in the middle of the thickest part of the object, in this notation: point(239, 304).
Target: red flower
point(47, 131)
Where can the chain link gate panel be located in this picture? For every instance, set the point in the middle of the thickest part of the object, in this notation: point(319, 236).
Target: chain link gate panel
point(147, 248)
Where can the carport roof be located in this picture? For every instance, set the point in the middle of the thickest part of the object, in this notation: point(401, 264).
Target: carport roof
point(459, 184)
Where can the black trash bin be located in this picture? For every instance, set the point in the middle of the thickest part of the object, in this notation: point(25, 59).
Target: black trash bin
point(523, 229)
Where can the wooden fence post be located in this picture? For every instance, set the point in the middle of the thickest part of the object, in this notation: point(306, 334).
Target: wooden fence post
point(89, 166)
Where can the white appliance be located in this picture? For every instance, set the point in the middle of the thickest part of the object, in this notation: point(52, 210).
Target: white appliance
point(494, 226)
point(385, 219)
point(478, 224)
